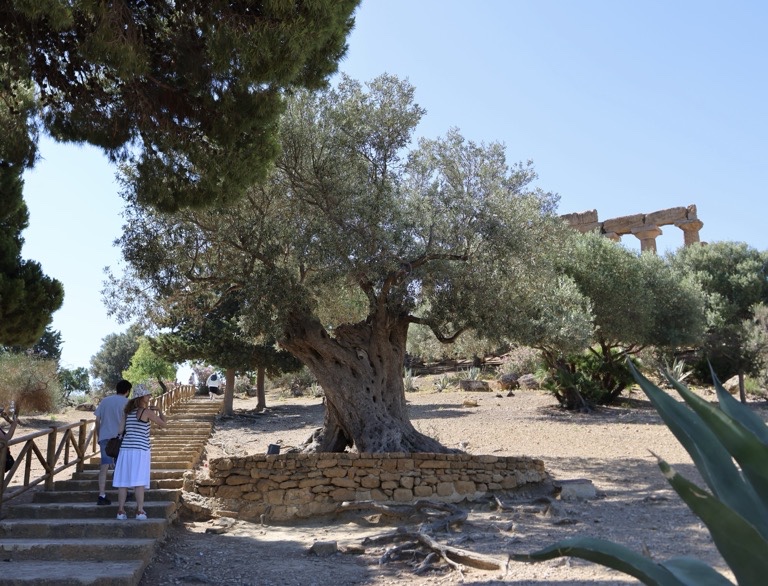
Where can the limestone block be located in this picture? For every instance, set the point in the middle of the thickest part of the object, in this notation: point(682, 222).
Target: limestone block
point(406, 464)
point(326, 463)
point(362, 495)
point(466, 487)
point(370, 481)
point(406, 482)
point(389, 485)
point(236, 479)
point(402, 495)
point(342, 494)
point(624, 224)
point(577, 218)
point(445, 489)
point(334, 472)
point(229, 492)
point(379, 495)
point(310, 482)
point(221, 464)
point(324, 548)
point(423, 491)
point(668, 216)
point(275, 497)
point(297, 496)
point(344, 482)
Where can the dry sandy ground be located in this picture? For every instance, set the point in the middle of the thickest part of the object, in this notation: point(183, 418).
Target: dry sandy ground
point(634, 505)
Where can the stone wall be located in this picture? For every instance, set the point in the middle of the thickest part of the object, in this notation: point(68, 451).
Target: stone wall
point(289, 486)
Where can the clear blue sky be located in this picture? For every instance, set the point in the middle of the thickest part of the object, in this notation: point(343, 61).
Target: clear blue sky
point(624, 107)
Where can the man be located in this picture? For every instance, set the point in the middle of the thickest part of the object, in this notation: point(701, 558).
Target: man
point(213, 385)
point(110, 422)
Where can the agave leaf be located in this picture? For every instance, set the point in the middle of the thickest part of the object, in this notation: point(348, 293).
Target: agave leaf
point(609, 554)
point(695, 572)
point(740, 412)
point(741, 443)
point(709, 455)
point(743, 548)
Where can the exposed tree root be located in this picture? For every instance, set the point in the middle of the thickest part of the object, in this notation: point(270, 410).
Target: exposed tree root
point(409, 541)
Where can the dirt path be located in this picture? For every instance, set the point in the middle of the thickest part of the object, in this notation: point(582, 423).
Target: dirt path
point(611, 448)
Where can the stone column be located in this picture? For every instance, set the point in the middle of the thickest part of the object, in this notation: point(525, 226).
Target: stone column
point(647, 235)
point(690, 230)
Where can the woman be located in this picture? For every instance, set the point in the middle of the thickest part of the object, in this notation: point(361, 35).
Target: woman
point(132, 468)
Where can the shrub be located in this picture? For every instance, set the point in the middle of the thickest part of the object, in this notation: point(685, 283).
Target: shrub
point(32, 382)
point(583, 380)
point(729, 446)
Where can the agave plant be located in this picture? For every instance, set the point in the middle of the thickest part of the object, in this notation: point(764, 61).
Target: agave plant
point(729, 446)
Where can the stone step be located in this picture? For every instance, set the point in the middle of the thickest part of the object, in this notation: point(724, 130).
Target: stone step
point(76, 573)
point(92, 484)
point(89, 510)
point(155, 473)
point(87, 549)
point(89, 496)
point(51, 540)
point(92, 528)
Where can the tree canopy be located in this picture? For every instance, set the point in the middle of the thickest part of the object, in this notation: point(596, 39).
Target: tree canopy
point(448, 235)
point(734, 278)
point(114, 356)
point(188, 92)
point(634, 301)
point(28, 298)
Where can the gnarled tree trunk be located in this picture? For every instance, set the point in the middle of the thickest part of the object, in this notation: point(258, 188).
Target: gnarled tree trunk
point(361, 371)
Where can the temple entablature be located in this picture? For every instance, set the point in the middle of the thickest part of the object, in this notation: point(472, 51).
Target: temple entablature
point(646, 227)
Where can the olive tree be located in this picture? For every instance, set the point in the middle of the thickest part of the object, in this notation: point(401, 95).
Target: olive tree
point(734, 278)
point(446, 234)
point(635, 301)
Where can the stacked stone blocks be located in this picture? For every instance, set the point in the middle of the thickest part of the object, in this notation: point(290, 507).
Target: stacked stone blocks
point(295, 485)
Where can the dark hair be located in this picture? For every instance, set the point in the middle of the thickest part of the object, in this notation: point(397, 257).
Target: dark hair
point(123, 387)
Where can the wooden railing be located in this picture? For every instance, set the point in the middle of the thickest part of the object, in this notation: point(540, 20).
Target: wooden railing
point(66, 446)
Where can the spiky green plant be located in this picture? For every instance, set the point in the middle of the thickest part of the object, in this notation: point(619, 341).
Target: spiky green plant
point(729, 446)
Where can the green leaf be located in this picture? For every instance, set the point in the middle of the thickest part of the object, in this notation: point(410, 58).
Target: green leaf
point(741, 443)
point(740, 412)
point(611, 555)
point(709, 455)
point(743, 548)
point(695, 572)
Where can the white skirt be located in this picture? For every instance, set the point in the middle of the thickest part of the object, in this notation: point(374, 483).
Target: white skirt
point(132, 468)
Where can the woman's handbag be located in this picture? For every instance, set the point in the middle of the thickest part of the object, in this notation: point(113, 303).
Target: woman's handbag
point(113, 446)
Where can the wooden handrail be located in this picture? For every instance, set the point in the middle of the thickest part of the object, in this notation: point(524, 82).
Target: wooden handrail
point(79, 438)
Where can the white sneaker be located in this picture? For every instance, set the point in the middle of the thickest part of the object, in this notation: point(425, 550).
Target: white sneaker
point(141, 516)
point(122, 516)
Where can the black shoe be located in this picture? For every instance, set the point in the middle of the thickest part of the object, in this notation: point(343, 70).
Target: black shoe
point(103, 501)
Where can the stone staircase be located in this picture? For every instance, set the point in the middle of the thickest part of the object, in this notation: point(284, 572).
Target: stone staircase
point(62, 538)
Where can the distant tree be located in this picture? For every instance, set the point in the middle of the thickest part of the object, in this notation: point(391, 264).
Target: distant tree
point(189, 91)
point(447, 235)
point(148, 367)
point(635, 301)
point(73, 380)
point(209, 330)
point(734, 278)
point(108, 364)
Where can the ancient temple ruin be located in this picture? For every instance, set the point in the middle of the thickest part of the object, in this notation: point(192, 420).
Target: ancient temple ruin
point(646, 227)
